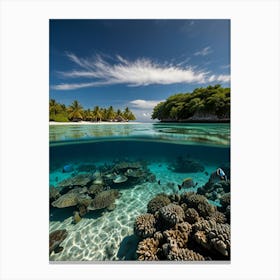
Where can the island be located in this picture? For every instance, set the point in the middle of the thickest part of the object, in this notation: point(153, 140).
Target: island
point(209, 104)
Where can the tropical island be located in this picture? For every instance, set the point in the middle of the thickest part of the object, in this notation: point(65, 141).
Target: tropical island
point(76, 113)
point(210, 104)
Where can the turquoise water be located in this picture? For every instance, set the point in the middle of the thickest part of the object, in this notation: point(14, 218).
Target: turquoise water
point(101, 235)
point(194, 134)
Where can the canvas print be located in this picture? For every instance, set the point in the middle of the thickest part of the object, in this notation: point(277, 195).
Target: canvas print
point(139, 140)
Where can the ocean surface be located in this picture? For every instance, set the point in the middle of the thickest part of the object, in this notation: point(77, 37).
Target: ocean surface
point(98, 151)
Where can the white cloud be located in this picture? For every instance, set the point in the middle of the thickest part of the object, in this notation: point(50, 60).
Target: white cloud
point(140, 72)
point(225, 66)
point(219, 78)
point(144, 104)
point(204, 51)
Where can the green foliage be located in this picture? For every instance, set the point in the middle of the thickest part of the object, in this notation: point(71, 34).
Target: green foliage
point(210, 100)
point(75, 112)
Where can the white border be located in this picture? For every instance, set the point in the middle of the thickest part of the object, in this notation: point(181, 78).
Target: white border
point(255, 138)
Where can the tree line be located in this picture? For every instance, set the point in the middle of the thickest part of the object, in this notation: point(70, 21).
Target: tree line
point(209, 101)
point(75, 112)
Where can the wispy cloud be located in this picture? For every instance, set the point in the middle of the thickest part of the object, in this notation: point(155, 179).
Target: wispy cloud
point(219, 78)
point(225, 66)
point(144, 104)
point(101, 70)
point(204, 51)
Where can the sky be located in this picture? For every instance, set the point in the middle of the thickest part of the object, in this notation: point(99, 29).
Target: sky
point(135, 63)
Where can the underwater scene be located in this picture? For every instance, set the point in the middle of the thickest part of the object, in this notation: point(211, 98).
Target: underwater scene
point(139, 192)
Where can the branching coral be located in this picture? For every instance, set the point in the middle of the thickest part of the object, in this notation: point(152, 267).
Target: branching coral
point(144, 225)
point(158, 202)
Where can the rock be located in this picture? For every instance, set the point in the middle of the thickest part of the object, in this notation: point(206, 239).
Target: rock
point(55, 239)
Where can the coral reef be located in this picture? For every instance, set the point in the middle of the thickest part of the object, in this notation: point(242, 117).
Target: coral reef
point(55, 239)
point(189, 228)
point(172, 214)
point(215, 188)
point(180, 234)
point(186, 165)
point(191, 215)
point(144, 225)
point(212, 235)
point(158, 202)
point(104, 199)
point(147, 250)
point(182, 254)
point(200, 203)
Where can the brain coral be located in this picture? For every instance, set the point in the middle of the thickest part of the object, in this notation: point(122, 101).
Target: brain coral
point(200, 203)
point(144, 225)
point(212, 235)
point(172, 214)
point(147, 250)
point(180, 234)
point(191, 215)
point(158, 202)
point(104, 199)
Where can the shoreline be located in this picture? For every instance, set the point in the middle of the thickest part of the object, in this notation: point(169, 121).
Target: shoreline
point(90, 123)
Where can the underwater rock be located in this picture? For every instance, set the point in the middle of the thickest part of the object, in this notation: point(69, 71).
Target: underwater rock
point(104, 200)
point(95, 189)
point(120, 179)
point(225, 201)
point(191, 216)
point(158, 202)
point(66, 200)
point(172, 214)
point(54, 193)
point(147, 250)
point(211, 235)
point(87, 167)
point(127, 165)
point(78, 180)
point(186, 165)
point(215, 188)
point(98, 181)
point(55, 239)
point(144, 225)
point(82, 210)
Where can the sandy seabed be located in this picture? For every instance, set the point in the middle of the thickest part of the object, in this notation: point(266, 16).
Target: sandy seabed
point(104, 235)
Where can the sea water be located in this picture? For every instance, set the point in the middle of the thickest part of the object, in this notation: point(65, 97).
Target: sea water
point(104, 235)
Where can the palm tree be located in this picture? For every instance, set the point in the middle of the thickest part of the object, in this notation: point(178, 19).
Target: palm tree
point(97, 113)
point(88, 115)
point(54, 107)
point(75, 111)
point(111, 113)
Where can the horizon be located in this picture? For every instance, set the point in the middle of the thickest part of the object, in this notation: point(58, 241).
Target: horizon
point(135, 63)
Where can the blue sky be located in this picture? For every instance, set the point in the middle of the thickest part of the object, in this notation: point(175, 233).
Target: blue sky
point(135, 63)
